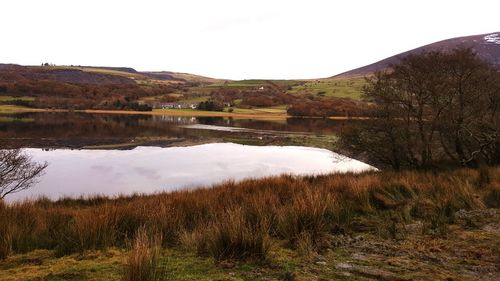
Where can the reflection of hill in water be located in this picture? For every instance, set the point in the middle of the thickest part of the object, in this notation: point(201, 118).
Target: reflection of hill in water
point(82, 129)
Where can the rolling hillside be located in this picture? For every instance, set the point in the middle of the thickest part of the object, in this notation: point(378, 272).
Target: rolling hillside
point(95, 75)
point(124, 87)
point(486, 46)
point(12, 72)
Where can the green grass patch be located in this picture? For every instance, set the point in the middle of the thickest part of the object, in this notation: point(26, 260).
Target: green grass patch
point(195, 99)
point(280, 109)
point(339, 88)
point(4, 119)
point(252, 83)
point(176, 264)
point(155, 99)
point(7, 108)
point(11, 98)
point(43, 265)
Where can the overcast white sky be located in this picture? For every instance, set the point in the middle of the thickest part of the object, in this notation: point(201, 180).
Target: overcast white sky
point(230, 38)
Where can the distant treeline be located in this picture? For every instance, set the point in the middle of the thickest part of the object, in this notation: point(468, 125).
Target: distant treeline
point(54, 94)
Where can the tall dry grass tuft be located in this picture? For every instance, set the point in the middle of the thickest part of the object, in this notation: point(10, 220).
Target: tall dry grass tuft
point(143, 259)
point(5, 232)
point(310, 214)
point(96, 228)
point(234, 237)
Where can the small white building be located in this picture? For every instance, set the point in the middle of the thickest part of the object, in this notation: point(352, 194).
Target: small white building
point(174, 105)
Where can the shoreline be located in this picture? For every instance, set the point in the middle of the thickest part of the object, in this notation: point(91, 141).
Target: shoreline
point(177, 112)
point(382, 225)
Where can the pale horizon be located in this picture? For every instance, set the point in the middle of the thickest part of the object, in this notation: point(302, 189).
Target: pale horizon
point(227, 40)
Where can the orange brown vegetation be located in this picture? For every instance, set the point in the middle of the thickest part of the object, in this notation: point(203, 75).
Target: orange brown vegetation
point(240, 220)
point(76, 89)
point(328, 107)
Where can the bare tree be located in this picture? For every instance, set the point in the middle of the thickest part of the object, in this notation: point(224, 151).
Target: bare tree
point(432, 109)
point(17, 171)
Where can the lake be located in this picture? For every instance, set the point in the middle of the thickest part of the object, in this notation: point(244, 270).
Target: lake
point(91, 154)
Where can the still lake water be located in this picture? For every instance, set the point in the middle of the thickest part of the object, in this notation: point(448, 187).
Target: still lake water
point(154, 169)
point(148, 169)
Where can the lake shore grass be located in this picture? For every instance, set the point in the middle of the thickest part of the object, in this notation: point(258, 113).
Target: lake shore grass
point(262, 114)
point(12, 109)
point(256, 114)
point(200, 113)
point(378, 225)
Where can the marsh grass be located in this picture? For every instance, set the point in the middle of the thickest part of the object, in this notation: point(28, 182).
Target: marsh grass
point(237, 237)
point(5, 233)
point(143, 258)
point(239, 220)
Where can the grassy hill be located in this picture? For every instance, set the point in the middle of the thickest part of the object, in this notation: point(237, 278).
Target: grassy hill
point(486, 46)
point(335, 87)
point(90, 87)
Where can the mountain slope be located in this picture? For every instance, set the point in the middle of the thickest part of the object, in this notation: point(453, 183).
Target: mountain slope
point(486, 46)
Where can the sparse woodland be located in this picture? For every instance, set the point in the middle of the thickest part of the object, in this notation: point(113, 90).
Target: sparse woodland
point(434, 109)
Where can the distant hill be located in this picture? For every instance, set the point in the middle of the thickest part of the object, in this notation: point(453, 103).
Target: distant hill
point(168, 75)
point(122, 69)
point(12, 72)
point(95, 75)
point(486, 46)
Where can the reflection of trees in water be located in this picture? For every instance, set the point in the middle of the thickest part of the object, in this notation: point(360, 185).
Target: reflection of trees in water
point(81, 124)
point(17, 171)
point(80, 129)
point(322, 126)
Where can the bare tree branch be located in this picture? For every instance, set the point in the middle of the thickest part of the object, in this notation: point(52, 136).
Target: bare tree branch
point(17, 171)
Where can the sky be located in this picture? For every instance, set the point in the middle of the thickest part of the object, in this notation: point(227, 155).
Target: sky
point(232, 39)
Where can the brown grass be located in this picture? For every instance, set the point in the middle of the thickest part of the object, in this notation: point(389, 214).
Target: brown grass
point(238, 220)
point(5, 232)
point(143, 259)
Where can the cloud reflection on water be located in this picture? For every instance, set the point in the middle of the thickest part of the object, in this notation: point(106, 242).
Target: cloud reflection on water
point(153, 169)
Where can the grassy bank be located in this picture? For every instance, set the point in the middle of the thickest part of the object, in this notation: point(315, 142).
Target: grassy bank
point(262, 113)
point(7, 108)
point(265, 114)
point(281, 226)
